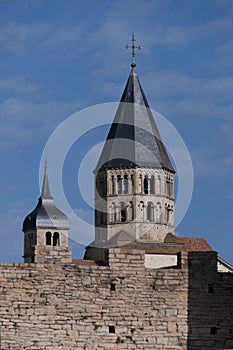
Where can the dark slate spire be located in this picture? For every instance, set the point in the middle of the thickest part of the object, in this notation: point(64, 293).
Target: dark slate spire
point(46, 214)
point(134, 139)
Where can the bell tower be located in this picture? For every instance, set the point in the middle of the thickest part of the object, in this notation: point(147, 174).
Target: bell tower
point(134, 177)
point(46, 230)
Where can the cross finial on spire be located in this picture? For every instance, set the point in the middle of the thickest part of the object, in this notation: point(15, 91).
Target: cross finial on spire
point(133, 47)
point(45, 167)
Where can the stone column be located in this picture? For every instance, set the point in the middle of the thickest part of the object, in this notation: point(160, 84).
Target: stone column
point(140, 185)
point(136, 183)
point(148, 181)
point(109, 185)
point(122, 184)
point(118, 213)
point(115, 185)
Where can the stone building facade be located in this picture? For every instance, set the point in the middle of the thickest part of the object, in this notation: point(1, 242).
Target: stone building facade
point(139, 287)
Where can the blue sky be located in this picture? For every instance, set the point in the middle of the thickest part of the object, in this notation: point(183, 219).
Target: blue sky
point(58, 57)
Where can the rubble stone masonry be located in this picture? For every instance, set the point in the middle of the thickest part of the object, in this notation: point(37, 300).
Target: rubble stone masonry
point(122, 305)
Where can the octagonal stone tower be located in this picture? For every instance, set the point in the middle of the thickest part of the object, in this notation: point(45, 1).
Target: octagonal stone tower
point(134, 177)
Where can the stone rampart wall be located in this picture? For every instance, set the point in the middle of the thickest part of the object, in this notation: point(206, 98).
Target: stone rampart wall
point(210, 304)
point(86, 306)
point(123, 305)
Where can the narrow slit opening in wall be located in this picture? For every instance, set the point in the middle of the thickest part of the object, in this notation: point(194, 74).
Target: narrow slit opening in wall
point(211, 288)
point(213, 330)
point(111, 329)
point(112, 287)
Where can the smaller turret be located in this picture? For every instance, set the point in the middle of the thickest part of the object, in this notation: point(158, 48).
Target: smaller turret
point(46, 229)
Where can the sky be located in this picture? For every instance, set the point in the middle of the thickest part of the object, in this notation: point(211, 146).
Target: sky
point(61, 57)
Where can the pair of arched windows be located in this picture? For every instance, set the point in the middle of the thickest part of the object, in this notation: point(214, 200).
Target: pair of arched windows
point(149, 185)
point(146, 211)
point(122, 212)
point(150, 212)
point(52, 239)
point(122, 184)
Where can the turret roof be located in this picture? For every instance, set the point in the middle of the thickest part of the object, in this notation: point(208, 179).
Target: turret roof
point(46, 214)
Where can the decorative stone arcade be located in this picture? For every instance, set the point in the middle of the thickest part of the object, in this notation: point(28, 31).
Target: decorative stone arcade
point(137, 201)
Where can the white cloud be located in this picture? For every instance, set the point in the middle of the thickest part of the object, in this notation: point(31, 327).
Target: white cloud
point(56, 41)
point(65, 43)
point(183, 96)
point(113, 34)
point(208, 160)
point(51, 40)
point(180, 96)
point(24, 120)
point(18, 85)
point(174, 84)
point(16, 37)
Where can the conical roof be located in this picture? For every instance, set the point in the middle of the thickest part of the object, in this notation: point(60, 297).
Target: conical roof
point(46, 214)
point(134, 139)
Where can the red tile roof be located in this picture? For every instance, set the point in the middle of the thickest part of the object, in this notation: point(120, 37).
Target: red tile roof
point(196, 244)
point(190, 244)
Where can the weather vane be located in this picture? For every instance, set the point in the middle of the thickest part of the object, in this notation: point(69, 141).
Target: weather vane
point(133, 47)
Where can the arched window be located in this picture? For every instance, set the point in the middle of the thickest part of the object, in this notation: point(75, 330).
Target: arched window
point(119, 184)
point(132, 184)
point(48, 238)
point(56, 239)
point(172, 188)
point(131, 214)
point(150, 212)
point(152, 185)
point(141, 210)
point(145, 183)
point(125, 184)
point(168, 188)
point(123, 212)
